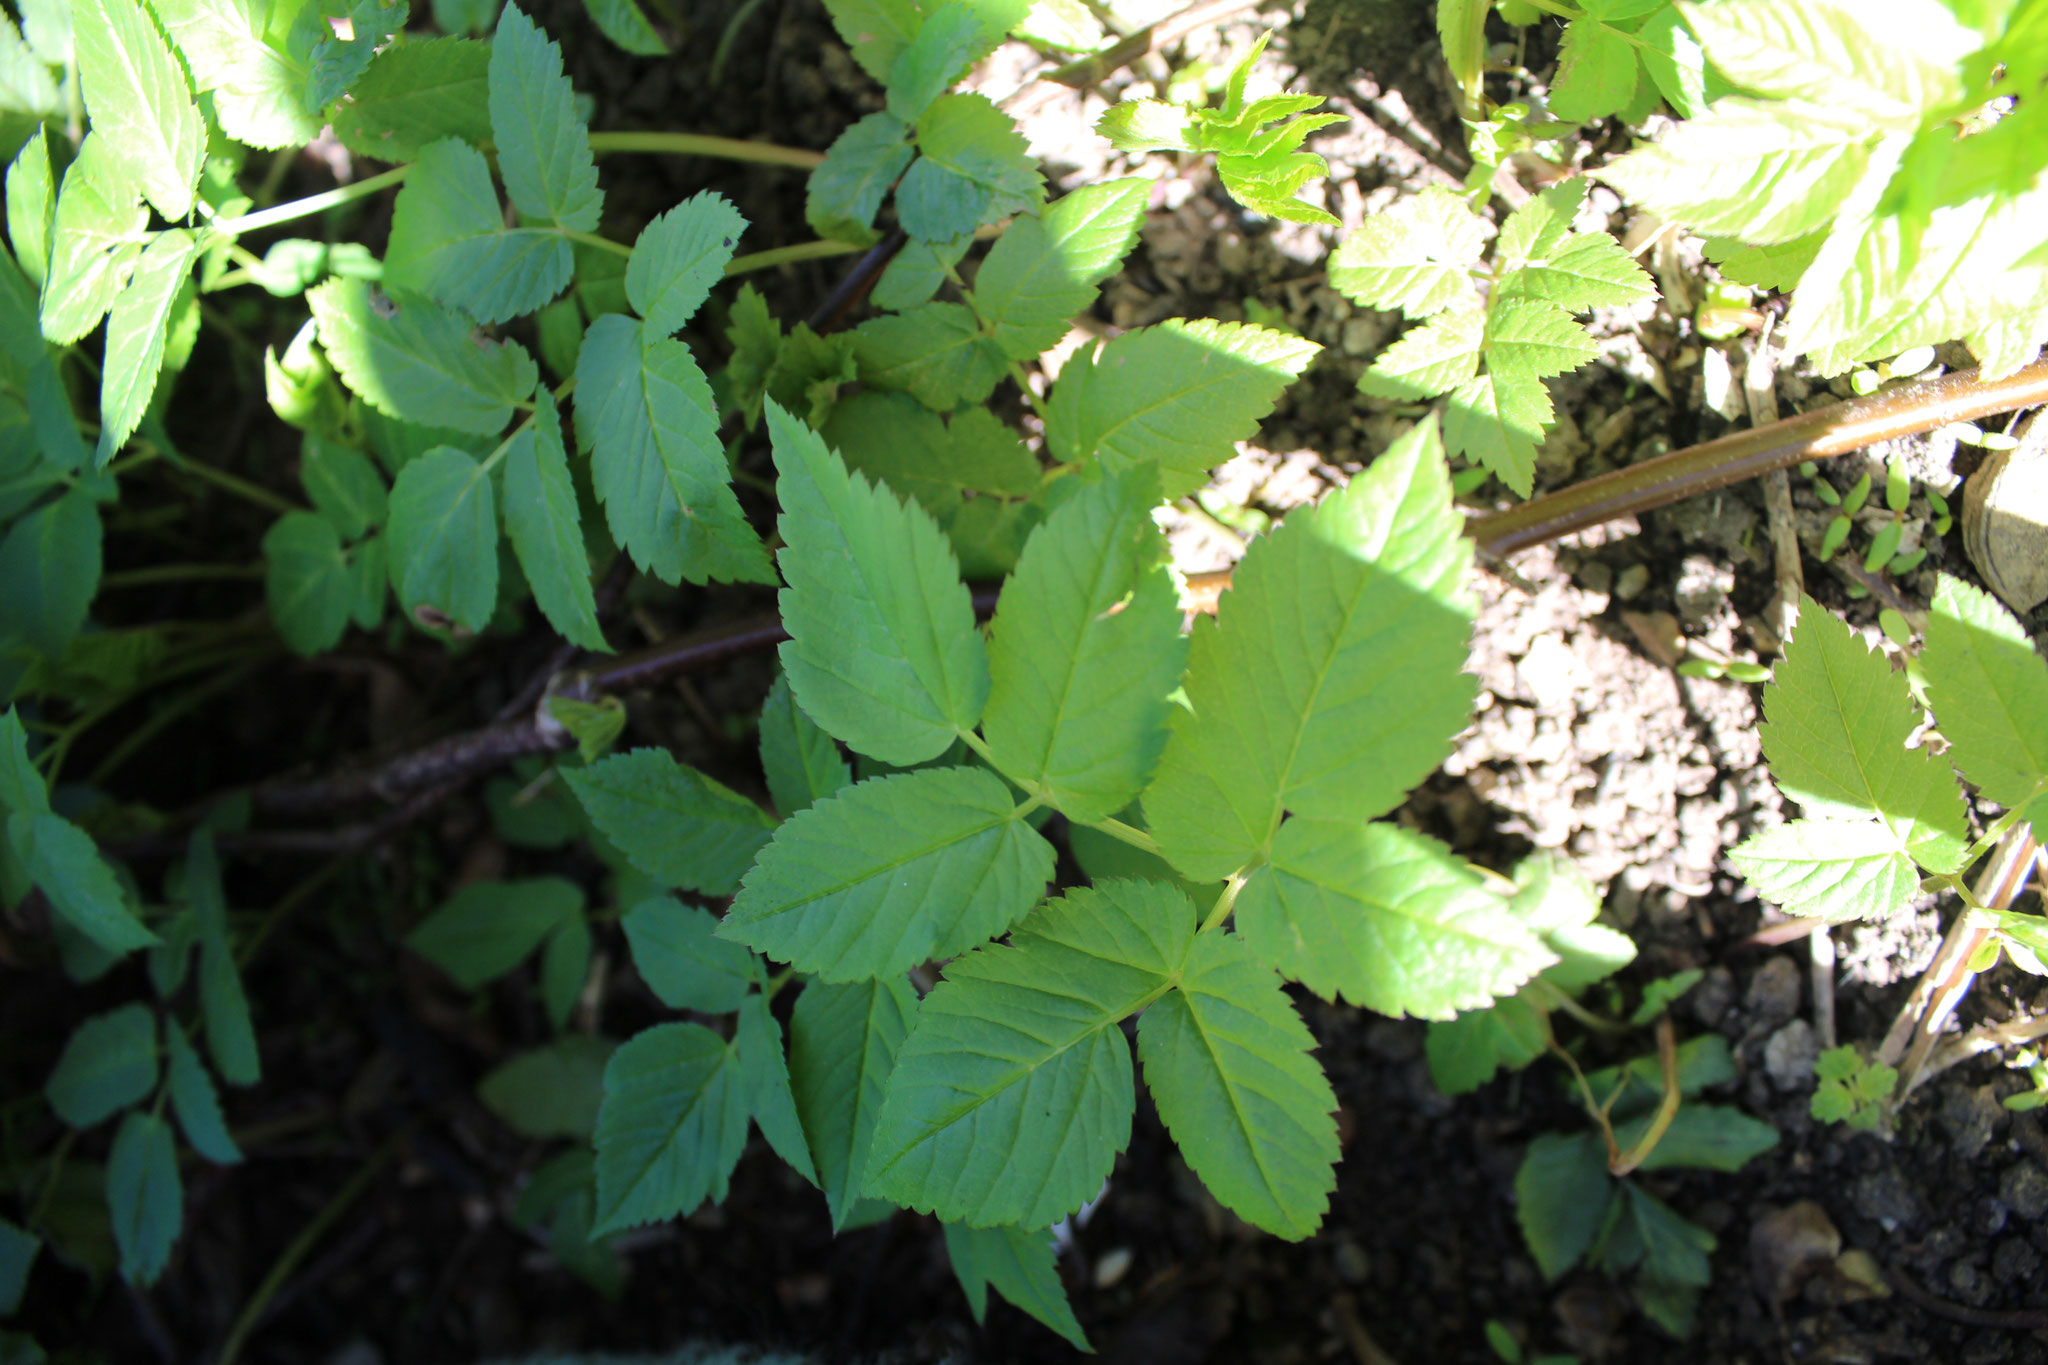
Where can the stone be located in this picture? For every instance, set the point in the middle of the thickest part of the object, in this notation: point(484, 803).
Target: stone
point(1884, 1197)
point(1773, 995)
point(1631, 582)
point(1789, 1056)
point(1970, 1117)
point(2024, 1190)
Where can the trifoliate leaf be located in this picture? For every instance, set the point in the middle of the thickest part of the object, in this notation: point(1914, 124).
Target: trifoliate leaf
point(1989, 690)
point(306, 582)
point(936, 352)
point(416, 92)
point(1836, 721)
point(800, 760)
point(843, 1042)
point(645, 412)
point(1434, 358)
point(136, 331)
point(487, 929)
point(765, 1068)
point(1013, 1093)
point(847, 188)
point(677, 259)
point(673, 1125)
point(1177, 396)
point(417, 361)
point(95, 240)
point(197, 1102)
point(145, 1200)
point(108, 1063)
point(883, 651)
point(1417, 256)
point(140, 101)
point(255, 83)
point(449, 241)
point(1083, 652)
point(1042, 271)
point(1022, 1265)
point(1227, 1061)
point(672, 822)
point(685, 964)
point(1834, 870)
point(547, 529)
point(50, 566)
point(1329, 682)
point(891, 873)
point(1498, 419)
point(443, 537)
point(543, 147)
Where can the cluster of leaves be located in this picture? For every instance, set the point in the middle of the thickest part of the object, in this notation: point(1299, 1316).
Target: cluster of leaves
point(1851, 1090)
point(1491, 350)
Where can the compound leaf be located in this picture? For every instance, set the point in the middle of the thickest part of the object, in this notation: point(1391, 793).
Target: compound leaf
point(487, 929)
point(672, 1127)
point(843, 1041)
point(449, 241)
point(306, 582)
point(145, 1200)
point(1042, 271)
point(1227, 1061)
point(547, 529)
point(1022, 1265)
point(443, 537)
point(672, 822)
point(1990, 693)
point(677, 259)
point(543, 147)
point(140, 101)
point(419, 362)
point(1834, 870)
point(890, 873)
point(108, 1063)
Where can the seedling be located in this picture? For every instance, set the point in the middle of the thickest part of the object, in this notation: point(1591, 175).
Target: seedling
point(1850, 1089)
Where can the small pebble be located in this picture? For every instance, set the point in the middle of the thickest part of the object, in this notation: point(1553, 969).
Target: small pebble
point(1789, 1056)
point(1594, 576)
point(1631, 582)
point(1884, 1197)
point(1774, 991)
point(1350, 1263)
point(1112, 1266)
point(2024, 1190)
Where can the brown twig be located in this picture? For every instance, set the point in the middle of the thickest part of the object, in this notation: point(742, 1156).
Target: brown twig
point(2024, 1320)
point(1093, 69)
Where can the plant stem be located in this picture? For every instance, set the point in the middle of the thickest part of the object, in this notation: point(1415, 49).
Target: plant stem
point(1226, 902)
point(178, 573)
point(602, 243)
point(786, 255)
point(311, 204)
point(1130, 834)
point(698, 144)
point(1667, 1107)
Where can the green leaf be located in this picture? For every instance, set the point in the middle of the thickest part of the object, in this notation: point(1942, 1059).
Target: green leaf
point(419, 362)
point(890, 873)
point(846, 189)
point(50, 570)
point(339, 53)
point(843, 1042)
point(449, 241)
point(1531, 341)
point(1083, 652)
point(1328, 682)
point(1226, 1060)
point(1042, 271)
point(1852, 58)
point(1540, 259)
point(973, 168)
point(1385, 918)
point(230, 1034)
point(554, 1091)
point(1701, 1137)
point(415, 93)
point(678, 258)
point(443, 537)
point(1417, 256)
point(306, 582)
point(344, 486)
point(1990, 693)
point(18, 1249)
point(1498, 419)
point(646, 414)
point(1596, 72)
point(1836, 722)
point(22, 790)
point(140, 101)
point(1702, 1062)
point(62, 859)
point(1559, 903)
point(1561, 1196)
point(802, 763)
point(626, 24)
point(1428, 360)
point(936, 352)
point(547, 529)
point(1022, 1265)
point(683, 962)
point(1147, 126)
point(108, 1063)
point(595, 726)
point(947, 43)
point(883, 651)
point(765, 1072)
point(1465, 1052)
point(196, 1101)
point(917, 272)
point(31, 208)
point(875, 31)
point(543, 147)
point(564, 968)
point(256, 85)
point(487, 929)
point(672, 822)
point(1179, 396)
point(1013, 1093)
point(673, 1125)
point(1834, 870)
point(1764, 267)
point(145, 1200)
point(371, 580)
point(94, 241)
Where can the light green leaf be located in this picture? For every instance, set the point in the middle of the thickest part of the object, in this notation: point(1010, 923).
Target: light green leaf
point(1417, 256)
point(973, 168)
point(673, 1125)
point(847, 188)
point(875, 31)
point(1021, 1263)
point(1042, 271)
point(1329, 682)
point(306, 582)
point(758, 1038)
point(1178, 396)
point(883, 651)
point(197, 1102)
point(802, 763)
point(487, 929)
point(443, 537)
point(672, 822)
point(230, 1034)
point(95, 240)
point(685, 964)
point(1147, 126)
point(145, 1201)
point(449, 241)
point(547, 529)
point(843, 1042)
point(1498, 419)
point(946, 44)
point(140, 101)
point(1836, 722)
point(416, 92)
point(49, 572)
point(1384, 918)
point(890, 873)
point(645, 412)
point(554, 1091)
point(62, 859)
point(1834, 870)
point(1764, 267)
point(1990, 693)
point(936, 352)
point(1559, 903)
point(626, 24)
point(1428, 360)
point(1013, 1093)
point(344, 486)
point(1541, 259)
point(256, 85)
point(1083, 652)
point(1887, 62)
point(1528, 340)
point(108, 1063)
point(419, 362)
point(1596, 72)
point(543, 147)
point(1561, 1195)
point(1227, 1061)
point(677, 259)
point(31, 208)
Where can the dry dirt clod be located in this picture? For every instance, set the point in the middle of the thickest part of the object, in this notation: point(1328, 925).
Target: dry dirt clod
point(2005, 521)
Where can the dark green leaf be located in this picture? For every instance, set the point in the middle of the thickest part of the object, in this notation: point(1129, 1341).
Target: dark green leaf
point(543, 147)
point(765, 1070)
point(682, 961)
point(197, 1102)
point(802, 763)
point(553, 1091)
point(679, 257)
point(443, 537)
point(144, 1196)
point(546, 527)
point(675, 824)
point(49, 572)
point(842, 1048)
point(109, 1062)
point(673, 1125)
point(416, 92)
point(306, 581)
point(847, 189)
point(488, 928)
point(1022, 1266)
point(449, 241)
point(1561, 1196)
